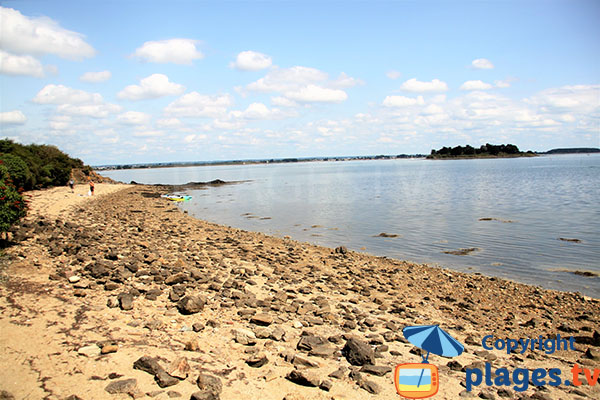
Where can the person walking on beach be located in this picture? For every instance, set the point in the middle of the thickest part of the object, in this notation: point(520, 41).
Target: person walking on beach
point(91, 188)
point(72, 185)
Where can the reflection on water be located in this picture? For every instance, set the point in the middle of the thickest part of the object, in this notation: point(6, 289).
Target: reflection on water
point(506, 215)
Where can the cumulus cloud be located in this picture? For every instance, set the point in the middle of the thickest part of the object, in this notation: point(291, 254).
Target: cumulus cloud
point(401, 101)
point(282, 79)
point(482, 63)
point(261, 112)
point(11, 64)
point(345, 81)
point(89, 110)
point(316, 94)
point(151, 87)
point(413, 85)
point(177, 51)
point(251, 61)
point(283, 102)
point(169, 123)
point(60, 94)
point(475, 85)
point(194, 104)
point(575, 98)
point(21, 34)
point(12, 118)
point(134, 118)
point(95, 77)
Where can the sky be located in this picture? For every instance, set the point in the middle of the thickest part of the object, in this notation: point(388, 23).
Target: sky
point(118, 82)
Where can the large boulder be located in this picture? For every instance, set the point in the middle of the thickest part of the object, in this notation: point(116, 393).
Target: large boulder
point(358, 352)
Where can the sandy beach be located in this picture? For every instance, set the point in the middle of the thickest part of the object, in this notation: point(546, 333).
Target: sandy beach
point(121, 295)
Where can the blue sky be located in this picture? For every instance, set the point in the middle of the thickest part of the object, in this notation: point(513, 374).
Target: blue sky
point(116, 82)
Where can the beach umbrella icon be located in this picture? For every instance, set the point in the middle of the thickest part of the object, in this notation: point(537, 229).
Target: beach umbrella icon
point(434, 340)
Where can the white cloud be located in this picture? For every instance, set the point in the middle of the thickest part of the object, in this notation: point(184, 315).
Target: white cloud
point(260, 111)
point(581, 98)
point(60, 122)
point(134, 118)
point(177, 51)
point(194, 138)
point(317, 94)
point(12, 118)
point(194, 104)
point(151, 87)
point(482, 63)
point(283, 102)
point(401, 101)
point(283, 79)
point(89, 110)
point(393, 74)
point(169, 123)
point(60, 94)
point(413, 85)
point(148, 133)
point(345, 81)
point(475, 85)
point(251, 61)
point(502, 84)
point(94, 77)
point(40, 35)
point(11, 64)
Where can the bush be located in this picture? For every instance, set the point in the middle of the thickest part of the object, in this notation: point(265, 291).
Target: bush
point(12, 205)
point(17, 169)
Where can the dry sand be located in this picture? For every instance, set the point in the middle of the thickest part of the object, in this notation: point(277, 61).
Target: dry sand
point(65, 288)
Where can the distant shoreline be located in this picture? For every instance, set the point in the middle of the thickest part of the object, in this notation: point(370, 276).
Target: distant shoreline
point(333, 159)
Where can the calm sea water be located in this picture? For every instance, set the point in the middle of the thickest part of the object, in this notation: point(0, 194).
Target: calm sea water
point(432, 206)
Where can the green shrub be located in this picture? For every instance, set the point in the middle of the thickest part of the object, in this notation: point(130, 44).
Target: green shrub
point(17, 169)
point(12, 205)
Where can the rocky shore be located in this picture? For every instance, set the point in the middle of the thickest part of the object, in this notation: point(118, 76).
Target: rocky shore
point(124, 296)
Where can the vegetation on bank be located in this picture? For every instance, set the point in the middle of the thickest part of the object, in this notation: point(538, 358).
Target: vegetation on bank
point(485, 151)
point(27, 167)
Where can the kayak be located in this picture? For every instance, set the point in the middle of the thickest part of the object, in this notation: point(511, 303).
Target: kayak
point(176, 197)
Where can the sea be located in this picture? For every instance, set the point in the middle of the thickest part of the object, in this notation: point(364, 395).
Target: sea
point(534, 220)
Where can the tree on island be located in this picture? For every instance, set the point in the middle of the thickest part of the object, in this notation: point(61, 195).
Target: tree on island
point(486, 150)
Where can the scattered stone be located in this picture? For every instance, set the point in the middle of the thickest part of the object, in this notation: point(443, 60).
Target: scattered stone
point(378, 370)
point(4, 395)
point(262, 319)
point(209, 384)
point(128, 386)
point(304, 377)
point(358, 352)
point(341, 250)
point(192, 345)
point(338, 373)
point(89, 351)
point(204, 396)
point(302, 361)
point(125, 301)
point(197, 327)
point(244, 336)
point(109, 348)
point(257, 361)
point(176, 279)
point(369, 386)
point(190, 304)
point(74, 279)
point(308, 342)
point(179, 368)
point(326, 385)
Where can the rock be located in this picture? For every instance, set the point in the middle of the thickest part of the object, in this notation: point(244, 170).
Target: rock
point(308, 341)
point(358, 352)
point(179, 368)
point(151, 366)
point(74, 279)
point(338, 373)
point(89, 351)
point(210, 384)
point(369, 386)
point(4, 395)
point(262, 319)
point(176, 279)
point(300, 360)
point(244, 336)
point(204, 396)
point(173, 394)
point(323, 351)
point(304, 378)
point(109, 348)
point(454, 365)
point(341, 250)
point(112, 302)
point(192, 345)
point(190, 304)
point(326, 385)
point(277, 334)
point(163, 379)
point(125, 301)
point(378, 370)
point(257, 361)
point(197, 327)
point(592, 354)
point(128, 386)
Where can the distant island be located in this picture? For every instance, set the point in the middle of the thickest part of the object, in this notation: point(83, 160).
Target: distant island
point(574, 150)
point(485, 151)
